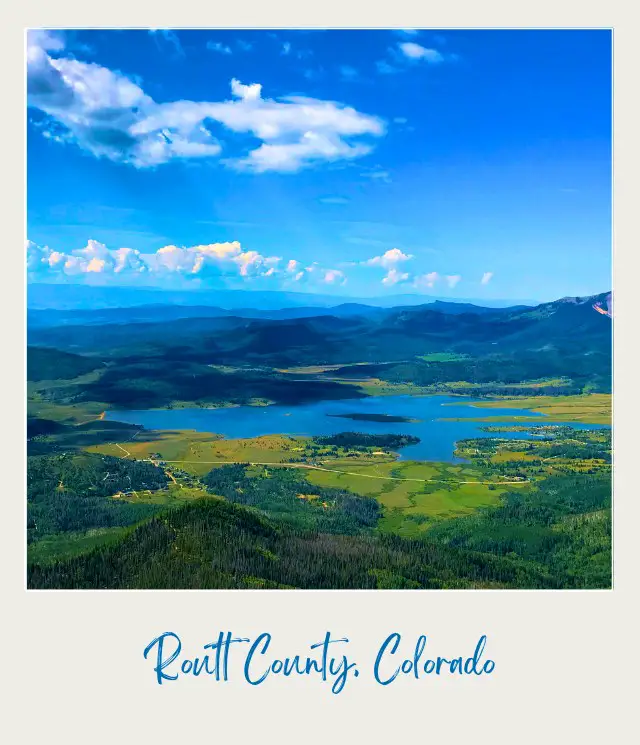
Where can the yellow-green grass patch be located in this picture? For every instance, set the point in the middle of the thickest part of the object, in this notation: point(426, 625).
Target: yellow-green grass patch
point(199, 452)
point(592, 408)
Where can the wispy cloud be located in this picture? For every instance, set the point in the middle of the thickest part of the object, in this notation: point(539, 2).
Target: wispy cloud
point(334, 200)
point(407, 54)
point(169, 37)
point(486, 278)
point(384, 68)
point(348, 73)
point(417, 52)
point(377, 174)
point(216, 46)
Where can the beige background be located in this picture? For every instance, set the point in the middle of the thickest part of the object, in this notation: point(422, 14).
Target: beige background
point(72, 669)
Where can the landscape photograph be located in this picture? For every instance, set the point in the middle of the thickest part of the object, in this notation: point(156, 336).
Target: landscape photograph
point(318, 309)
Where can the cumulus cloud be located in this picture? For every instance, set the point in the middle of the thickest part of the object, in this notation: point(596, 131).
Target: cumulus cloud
point(204, 260)
point(94, 258)
point(393, 276)
point(211, 261)
point(334, 277)
point(108, 114)
point(426, 280)
point(453, 279)
point(486, 278)
point(389, 259)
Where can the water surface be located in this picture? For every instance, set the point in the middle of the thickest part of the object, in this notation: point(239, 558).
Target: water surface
point(437, 438)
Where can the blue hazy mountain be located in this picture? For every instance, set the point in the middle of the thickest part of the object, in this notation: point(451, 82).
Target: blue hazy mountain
point(84, 297)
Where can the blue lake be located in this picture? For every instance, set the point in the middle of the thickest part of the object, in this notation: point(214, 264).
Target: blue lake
point(437, 438)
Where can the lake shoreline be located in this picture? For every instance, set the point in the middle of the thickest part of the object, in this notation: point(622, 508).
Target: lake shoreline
point(378, 415)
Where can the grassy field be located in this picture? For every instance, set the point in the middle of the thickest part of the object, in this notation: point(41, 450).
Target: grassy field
point(174, 495)
point(432, 491)
point(593, 408)
point(377, 387)
point(315, 369)
point(65, 545)
point(443, 357)
point(199, 452)
point(67, 414)
point(413, 494)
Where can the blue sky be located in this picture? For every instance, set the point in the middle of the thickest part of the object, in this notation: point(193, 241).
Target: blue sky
point(454, 163)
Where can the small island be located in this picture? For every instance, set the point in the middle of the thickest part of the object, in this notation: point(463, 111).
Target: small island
point(360, 440)
point(360, 417)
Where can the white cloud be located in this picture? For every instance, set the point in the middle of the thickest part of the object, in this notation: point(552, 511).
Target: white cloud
point(128, 260)
point(408, 53)
point(291, 157)
point(203, 262)
point(486, 278)
point(246, 92)
point(426, 280)
point(52, 41)
point(286, 48)
point(417, 52)
point(334, 277)
point(216, 46)
point(389, 259)
point(95, 258)
point(110, 116)
point(453, 279)
point(393, 276)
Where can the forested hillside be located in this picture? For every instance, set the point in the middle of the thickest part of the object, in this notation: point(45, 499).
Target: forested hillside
point(535, 540)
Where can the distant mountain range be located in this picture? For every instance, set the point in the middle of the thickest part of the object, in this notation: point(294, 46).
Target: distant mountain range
point(347, 333)
point(49, 318)
point(147, 358)
point(41, 296)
